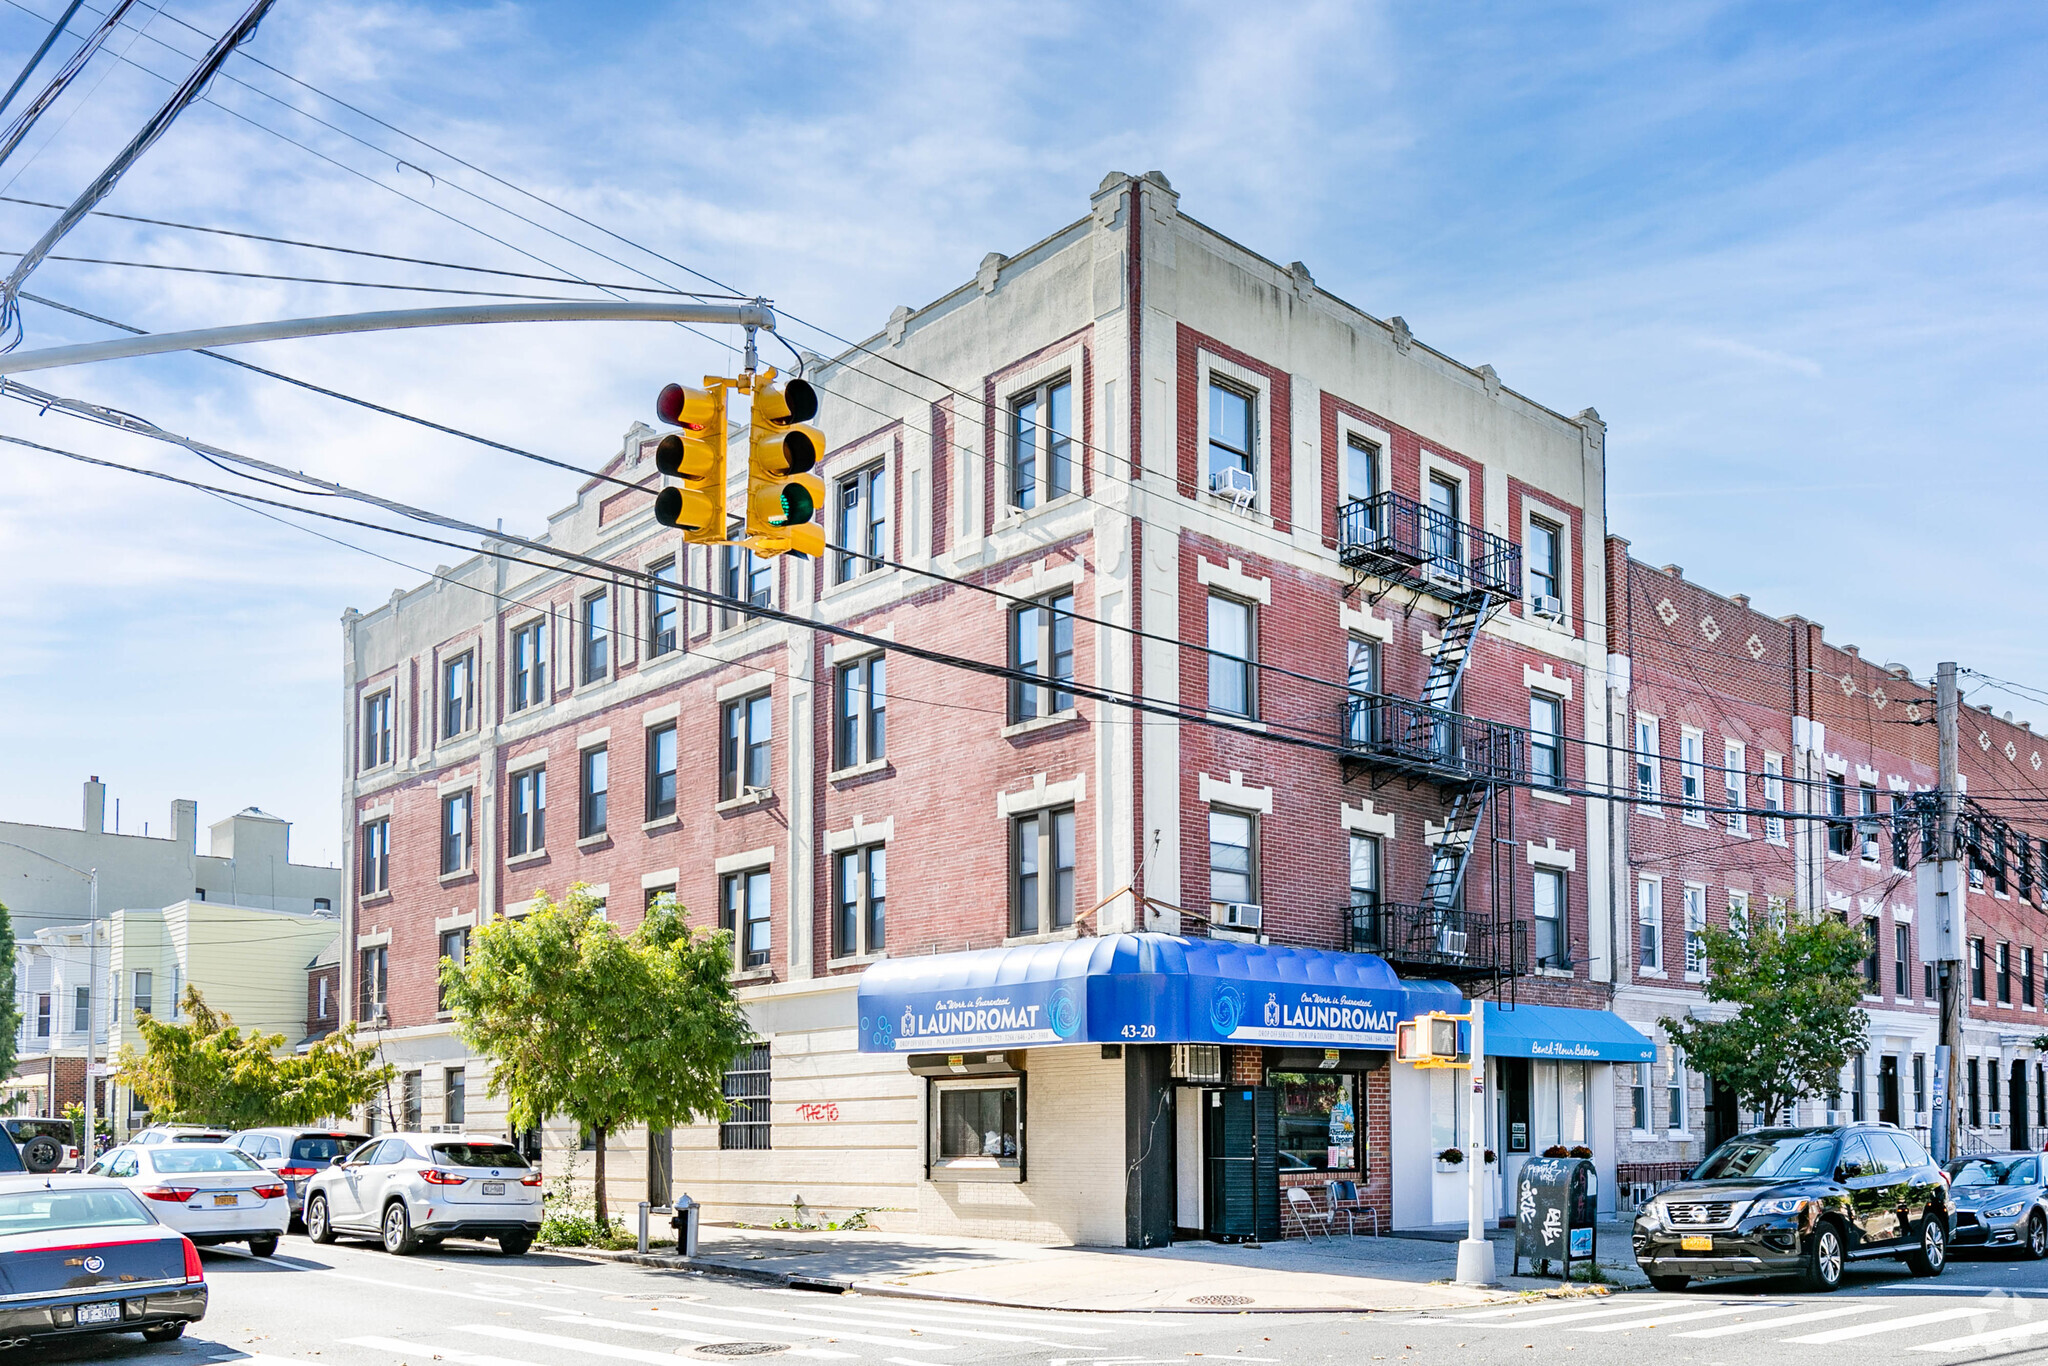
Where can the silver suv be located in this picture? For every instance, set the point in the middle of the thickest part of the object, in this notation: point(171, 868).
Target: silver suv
point(412, 1188)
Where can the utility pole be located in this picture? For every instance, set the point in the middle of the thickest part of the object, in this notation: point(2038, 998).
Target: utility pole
point(1950, 880)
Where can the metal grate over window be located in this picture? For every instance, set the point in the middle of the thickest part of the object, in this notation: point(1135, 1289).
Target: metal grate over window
point(746, 1091)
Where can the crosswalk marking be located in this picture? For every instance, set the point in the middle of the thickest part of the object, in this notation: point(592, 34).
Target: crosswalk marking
point(1560, 1307)
point(2023, 1330)
point(921, 1310)
point(922, 1326)
point(1659, 1320)
point(743, 1325)
point(1864, 1330)
point(1778, 1321)
point(569, 1344)
point(408, 1350)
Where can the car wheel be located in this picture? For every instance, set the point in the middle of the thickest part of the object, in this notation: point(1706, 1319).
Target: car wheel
point(317, 1226)
point(1932, 1255)
point(164, 1332)
point(1670, 1285)
point(2037, 1236)
point(515, 1244)
point(399, 1239)
point(1824, 1258)
point(264, 1247)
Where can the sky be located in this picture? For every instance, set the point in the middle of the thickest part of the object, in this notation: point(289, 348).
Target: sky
point(1793, 254)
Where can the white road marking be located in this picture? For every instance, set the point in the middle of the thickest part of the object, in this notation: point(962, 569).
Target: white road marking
point(883, 1304)
point(1557, 1313)
point(923, 1326)
point(407, 1351)
point(1982, 1339)
point(1557, 1306)
point(1780, 1321)
point(1864, 1330)
point(568, 1344)
point(1659, 1320)
point(729, 1325)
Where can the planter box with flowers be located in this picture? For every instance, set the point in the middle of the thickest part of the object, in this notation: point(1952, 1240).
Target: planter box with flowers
point(1450, 1160)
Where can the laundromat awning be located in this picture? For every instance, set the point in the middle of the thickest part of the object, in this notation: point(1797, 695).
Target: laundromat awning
point(1138, 988)
point(1528, 1031)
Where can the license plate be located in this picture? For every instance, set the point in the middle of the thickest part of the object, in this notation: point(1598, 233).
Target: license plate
point(1696, 1242)
point(227, 1199)
point(110, 1312)
point(494, 1188)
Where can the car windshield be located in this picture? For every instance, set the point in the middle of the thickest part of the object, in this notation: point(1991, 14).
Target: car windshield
point(1990, 1171)
point(478, 1155)
point(45, 1211)
point(170, 1161)
point(325, 1147)
point(1758, 1156)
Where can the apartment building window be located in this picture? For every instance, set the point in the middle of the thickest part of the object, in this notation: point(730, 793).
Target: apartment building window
point(1545, 571)
point(1902, 954)
point(595, 785)
point(1691, 776)
point(1873, 964)
point(1774, 796)
point(2026, 974)
point(1442, 524)
point(1042, 871)
point(1867, 827)
point(372, 981)
point(43, 1015)
point(860, 712)
point(1233, 861)
point(455, 1096)
point(376, 856)
point(749, 579)
point(1548, 904)
point(1042, 644)
point(2005, 974)
point(1361, 470)
point(1674, 1093)
point(1650, 925)
point(1230, 658)
point(1647, 781)
point(745, 1088)
point(144, 998)
point(1546, 740)
point(1041, 444)
point(81, 1010)
point(1998, 883)
point(1976, 1095)
point(529, 665)
point(1840, 832)
point(1639, 1099)
point(1919, 1083)
point(1365, 891)
point(321, 1004)
point(1735, 783)
point(454, 949)
point(458, 695)
point(1362, 685)
point(1231, 462)
point(456, 811)
point(1858, 1081)
point(1695, 932)
point(744, 910)
point(664, 608)
point(529, 812)
point(862, 500)
point(1976, 969)
point(661, 772)
point(1738, 914)
point(748, 732)
point(377, 729)
point(595, 622)
point(860, 884)
point(409, 1112)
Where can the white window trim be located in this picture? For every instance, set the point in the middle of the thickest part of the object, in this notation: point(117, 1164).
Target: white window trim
point(667, 877)
point(1533, 510)
point(456, 784)
point(1735, 763)
point(1360, 621)
point(742, 687)
point(1208, 368)
point(1231, 580)
point(459, 920)
point(852, 651)
point(862, 832)
point(1548, 855)
point(1452, 472)
point(1042, 794)
point(1234, 793)
point(746, 862)
point(1693, 892)
point(1067, 360)
point(1696, 813)
point(1768, 757)
point(1653, 803)
point(848, 465)
point(1546, 681)
point(592, 739)
point(976, 1168)
point(1348, 427)
point(536, 759)
point(376, 939)
point(1652, 914)
point(372, 814)
point(661, 716)
point(1363, 820)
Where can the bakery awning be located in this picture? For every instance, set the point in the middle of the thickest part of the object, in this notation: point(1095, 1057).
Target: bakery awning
point(1564, 1033)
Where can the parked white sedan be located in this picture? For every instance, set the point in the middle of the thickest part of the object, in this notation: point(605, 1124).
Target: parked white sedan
point(209, 1193)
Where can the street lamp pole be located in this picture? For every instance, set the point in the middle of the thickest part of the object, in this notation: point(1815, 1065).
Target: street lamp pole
point(92, 972)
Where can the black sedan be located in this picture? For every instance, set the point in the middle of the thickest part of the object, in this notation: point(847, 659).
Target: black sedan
point(82, 1255)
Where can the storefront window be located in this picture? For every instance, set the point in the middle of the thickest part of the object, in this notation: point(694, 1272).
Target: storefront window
point(978, 1122)
point(1318, 1120)
point(1557, 1092)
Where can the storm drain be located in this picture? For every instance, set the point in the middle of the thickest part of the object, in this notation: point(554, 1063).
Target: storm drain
point(1221, 1301)
point(739, 1349)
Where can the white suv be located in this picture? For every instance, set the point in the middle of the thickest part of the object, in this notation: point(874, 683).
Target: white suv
point(413, 1188)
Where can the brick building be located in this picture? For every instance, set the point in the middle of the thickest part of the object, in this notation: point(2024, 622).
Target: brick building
point(1724, 706)
point(1361, 763)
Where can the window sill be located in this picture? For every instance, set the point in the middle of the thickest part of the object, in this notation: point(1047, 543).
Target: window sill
point(1014, 516)
point(592, 841)
point(1542, 796)
point(1678, 1135)
point(1650, 972)
point(977, 1169)
point(649, 827)
point(855, 960)
point(1735, 834)
point(1699, 820)
point(374, 898)
point(460, 874)
point(1778, 840)
point(1038, 723)
point(840, 775)
point(1643, 1135)
point(530, 856)
point(1646, 806)
point(1053, 937)
point(1566, 973)
point(841, 587)
point(756, 797)
point(1699, 977)
point(1233, 719)
point(754, 975)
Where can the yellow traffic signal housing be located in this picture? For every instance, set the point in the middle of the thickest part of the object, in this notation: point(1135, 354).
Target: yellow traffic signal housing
point(696, 456)
point(1434, 1040)
point(783, 497)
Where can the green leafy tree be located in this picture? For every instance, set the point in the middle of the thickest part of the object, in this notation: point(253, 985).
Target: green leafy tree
point(1796, 988)
point(608, 1029)
point(204, 1069)
point(10, 1009)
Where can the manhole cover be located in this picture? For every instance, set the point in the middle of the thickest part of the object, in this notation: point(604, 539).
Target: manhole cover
point(740, 1349)
point(1221, 1301)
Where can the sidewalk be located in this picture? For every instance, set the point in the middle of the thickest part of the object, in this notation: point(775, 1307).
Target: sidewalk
point(1329, 1274)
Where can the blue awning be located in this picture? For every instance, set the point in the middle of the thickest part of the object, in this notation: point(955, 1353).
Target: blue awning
point(1528, 1031)
point(1138, 988)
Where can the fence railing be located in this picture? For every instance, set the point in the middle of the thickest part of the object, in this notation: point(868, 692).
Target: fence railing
point(1375, 725)
point(1446, 939)
point(1395, 534)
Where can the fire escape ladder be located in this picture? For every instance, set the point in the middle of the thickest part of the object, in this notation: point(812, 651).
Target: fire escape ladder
point(1452, 853)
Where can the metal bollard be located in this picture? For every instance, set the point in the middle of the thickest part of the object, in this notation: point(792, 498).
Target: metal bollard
point(643, 1228)
point(685, 1224)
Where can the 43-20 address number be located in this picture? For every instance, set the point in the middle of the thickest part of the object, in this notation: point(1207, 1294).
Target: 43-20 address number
point(1141, 1031)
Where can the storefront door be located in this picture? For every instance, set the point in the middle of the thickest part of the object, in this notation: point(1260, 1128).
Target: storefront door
point(1240, 1141)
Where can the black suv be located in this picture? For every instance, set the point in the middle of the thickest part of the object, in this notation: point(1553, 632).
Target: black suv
point(1806, 1201)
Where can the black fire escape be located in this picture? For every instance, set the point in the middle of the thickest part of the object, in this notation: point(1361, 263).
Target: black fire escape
point(1472, 762)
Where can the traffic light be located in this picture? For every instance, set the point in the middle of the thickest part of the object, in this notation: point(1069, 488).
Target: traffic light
point(696, 456)
point(1434, 1040)
point(783, 496)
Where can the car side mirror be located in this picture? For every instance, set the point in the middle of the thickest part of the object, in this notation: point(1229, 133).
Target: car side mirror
point(336, 1161)
point(1848, 1171)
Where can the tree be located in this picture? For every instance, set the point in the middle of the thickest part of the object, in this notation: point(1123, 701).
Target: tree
point(10, 1011)
point(608, 1029)
point(1796, 987)
point(207, 1070)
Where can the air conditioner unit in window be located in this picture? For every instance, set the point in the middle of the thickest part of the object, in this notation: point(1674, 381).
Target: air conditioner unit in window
point(1547, 606)
point(1235, 484)
point(1836, 1117)
point(1242, 915)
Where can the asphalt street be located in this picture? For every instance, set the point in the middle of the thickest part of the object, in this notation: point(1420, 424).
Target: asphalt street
point(352, 1305)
